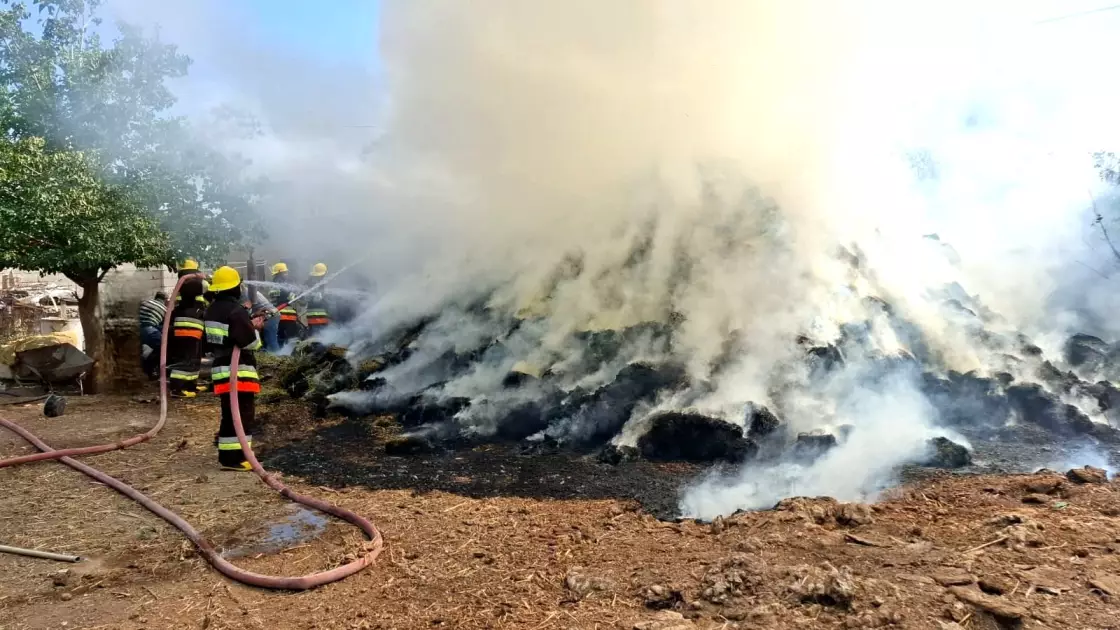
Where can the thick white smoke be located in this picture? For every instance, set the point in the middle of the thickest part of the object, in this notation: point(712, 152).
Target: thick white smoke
point(602, 164)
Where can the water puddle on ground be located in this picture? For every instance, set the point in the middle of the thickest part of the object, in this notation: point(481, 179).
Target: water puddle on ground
point(296, 527)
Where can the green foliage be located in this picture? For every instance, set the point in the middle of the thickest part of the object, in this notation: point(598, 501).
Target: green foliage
point(57, 215)
point(104, 109)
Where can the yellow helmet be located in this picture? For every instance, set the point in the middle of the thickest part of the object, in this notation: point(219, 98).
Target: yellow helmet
point(279, 268)
point(318, 270)
point(189, 264)
point(225, 278)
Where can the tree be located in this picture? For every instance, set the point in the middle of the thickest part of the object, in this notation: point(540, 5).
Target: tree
point(1108, 167)
point(96, 172)
point(58, 215)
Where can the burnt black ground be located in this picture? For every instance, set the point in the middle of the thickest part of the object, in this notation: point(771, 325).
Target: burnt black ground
point(351, 453)
point(340, 452)
point(343, 452)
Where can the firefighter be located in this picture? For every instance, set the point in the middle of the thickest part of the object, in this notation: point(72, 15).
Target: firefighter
point(228, 324)
point(281, 297)
point(190, 268)
point(318, 315)
point(184, 348)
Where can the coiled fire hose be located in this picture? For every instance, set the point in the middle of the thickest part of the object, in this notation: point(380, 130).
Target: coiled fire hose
point(296, 583)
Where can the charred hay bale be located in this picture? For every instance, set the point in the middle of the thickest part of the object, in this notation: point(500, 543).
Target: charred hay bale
point(518, 378)
point(824, 359)
point(947, 454)
point(966, 399)
point(310, 350)
point(1105, 393)
point(601, 415)
point(1058, 380)
point(1105, 433)
point(1085, 351)
point(428, 439)
point(614, 455)
point(530, 417)
point(1037, 406)
point(522, 421)
point(316, 366)
point(1027, 348)
point(677, 436)
point(372, 383)
point(368, 367)
point(954, 305)
point(810, 446)
point(422, 410)
point(760, 422)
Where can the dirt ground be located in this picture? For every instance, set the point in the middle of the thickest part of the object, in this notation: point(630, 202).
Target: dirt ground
point(528, 543)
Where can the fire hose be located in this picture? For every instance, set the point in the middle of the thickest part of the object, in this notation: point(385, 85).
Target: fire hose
point(205, 548)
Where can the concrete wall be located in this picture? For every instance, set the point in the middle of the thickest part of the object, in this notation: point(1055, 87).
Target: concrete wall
point(125, 287)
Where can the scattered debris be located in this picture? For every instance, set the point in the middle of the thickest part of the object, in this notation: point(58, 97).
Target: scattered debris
point(995, 585)
point(1107, 584)
point(666, 620)
point(866, 542)
point(853, 514)
point(659, 597)
point(731, 578)
point(1088, 474)
point(825, 585)
point(1048, 580)
point(1003, 611)
point(54, 406)
point(953, 576)
point(580, 585)
point(818, 510)
point(1049, 484)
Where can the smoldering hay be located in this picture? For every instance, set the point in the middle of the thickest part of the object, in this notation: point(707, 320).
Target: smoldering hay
point(594, 214)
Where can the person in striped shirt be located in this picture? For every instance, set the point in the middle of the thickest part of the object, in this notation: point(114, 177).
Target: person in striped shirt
point(151, 316)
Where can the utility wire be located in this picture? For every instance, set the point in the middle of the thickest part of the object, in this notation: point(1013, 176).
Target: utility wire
point(1078, 14)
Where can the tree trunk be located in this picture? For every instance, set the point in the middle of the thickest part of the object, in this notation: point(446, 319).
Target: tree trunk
point(89, 312)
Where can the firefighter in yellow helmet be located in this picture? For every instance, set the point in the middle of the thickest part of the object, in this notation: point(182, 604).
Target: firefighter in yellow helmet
point(228, 324)
point(190, 268)
point(318, 311)
point(184, 348)
point(281, 297)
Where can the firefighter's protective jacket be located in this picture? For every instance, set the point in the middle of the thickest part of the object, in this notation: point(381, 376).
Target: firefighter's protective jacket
point(282, 297)
point(318, 310)
point(187, 331)
point(227, 325)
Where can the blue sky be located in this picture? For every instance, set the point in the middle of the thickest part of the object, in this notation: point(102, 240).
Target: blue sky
point(335, 30)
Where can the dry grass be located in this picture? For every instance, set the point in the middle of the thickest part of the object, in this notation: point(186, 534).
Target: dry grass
point(505, 562)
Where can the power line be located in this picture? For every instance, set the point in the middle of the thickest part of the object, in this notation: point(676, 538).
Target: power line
point(1078, 14)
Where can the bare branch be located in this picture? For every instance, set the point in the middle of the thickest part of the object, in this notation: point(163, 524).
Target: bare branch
point(1099, 222)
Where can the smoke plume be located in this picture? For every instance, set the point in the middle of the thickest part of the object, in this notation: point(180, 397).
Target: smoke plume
point(757, 176)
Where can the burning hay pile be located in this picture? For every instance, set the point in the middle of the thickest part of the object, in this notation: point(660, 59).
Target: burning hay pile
point(870, 391)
